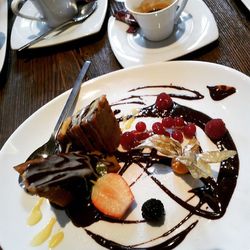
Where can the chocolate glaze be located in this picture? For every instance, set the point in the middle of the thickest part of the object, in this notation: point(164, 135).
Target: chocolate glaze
point(215, 194)
point(55, 169)
point(196, 95)
point(219, 92)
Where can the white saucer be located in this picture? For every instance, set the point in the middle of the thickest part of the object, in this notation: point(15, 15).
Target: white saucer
point(196, 28)
point(25, 30)
point(3, 30)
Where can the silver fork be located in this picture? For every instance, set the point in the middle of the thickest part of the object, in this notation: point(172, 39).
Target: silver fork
point(51, 146)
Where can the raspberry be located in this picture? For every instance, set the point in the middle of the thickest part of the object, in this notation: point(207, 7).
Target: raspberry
point(140, 126)
point(179, 122)
point(177, 135)
point(168, 122)
point(141, 136)
point(163, 102)
point(189, 130)
point(152, 210)
point(158, 128)
point(215, 129)
point(128, 140)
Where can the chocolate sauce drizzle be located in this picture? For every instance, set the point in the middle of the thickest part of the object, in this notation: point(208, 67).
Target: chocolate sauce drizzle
point(168, 244)
point(196, 95)
point(215, 194)
point(219, 92)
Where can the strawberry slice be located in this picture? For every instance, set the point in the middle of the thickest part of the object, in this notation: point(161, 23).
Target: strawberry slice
point(111, 195)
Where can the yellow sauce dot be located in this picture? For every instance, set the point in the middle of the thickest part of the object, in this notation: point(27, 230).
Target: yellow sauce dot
point(44, 234)
point(135, 111)
point(56, 239)
point(36, 214)
point(128, 123)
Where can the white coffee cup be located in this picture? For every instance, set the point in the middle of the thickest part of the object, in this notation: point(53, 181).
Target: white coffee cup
point(52, 12)
point(158, 24)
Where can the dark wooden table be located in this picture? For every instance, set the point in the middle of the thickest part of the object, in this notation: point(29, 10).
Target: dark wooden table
point(32, 78)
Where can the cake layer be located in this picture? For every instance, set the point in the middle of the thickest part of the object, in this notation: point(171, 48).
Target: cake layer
point(94, 128)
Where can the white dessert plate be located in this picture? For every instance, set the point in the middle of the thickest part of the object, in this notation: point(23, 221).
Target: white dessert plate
point(227, 233)
point(196, 28)
point(25, 30)
point(3, 30)
point(247, 3)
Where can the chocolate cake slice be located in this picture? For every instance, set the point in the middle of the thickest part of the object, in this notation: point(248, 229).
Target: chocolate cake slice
point(61, 176)
point(87, 140)
point(94, 128)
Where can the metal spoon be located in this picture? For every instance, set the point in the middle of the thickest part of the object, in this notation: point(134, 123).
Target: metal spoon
point(85, 11)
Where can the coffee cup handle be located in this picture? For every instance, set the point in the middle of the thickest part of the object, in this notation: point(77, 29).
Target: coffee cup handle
point(180, 9)
point(15, 7)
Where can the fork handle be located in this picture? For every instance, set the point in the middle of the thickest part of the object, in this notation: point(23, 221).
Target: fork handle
point(71, 101)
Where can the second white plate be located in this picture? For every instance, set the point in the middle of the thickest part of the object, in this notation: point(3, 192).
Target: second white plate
point(196, 28)
point(25, 30)
point(3, 30)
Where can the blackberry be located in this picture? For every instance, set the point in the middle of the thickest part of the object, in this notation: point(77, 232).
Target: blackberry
point(152, 210)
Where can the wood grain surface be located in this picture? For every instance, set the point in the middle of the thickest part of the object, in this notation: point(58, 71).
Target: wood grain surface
point(30, 79)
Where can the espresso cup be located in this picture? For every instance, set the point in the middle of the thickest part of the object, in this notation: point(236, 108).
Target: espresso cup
point(156, 18)
point(52, 12)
